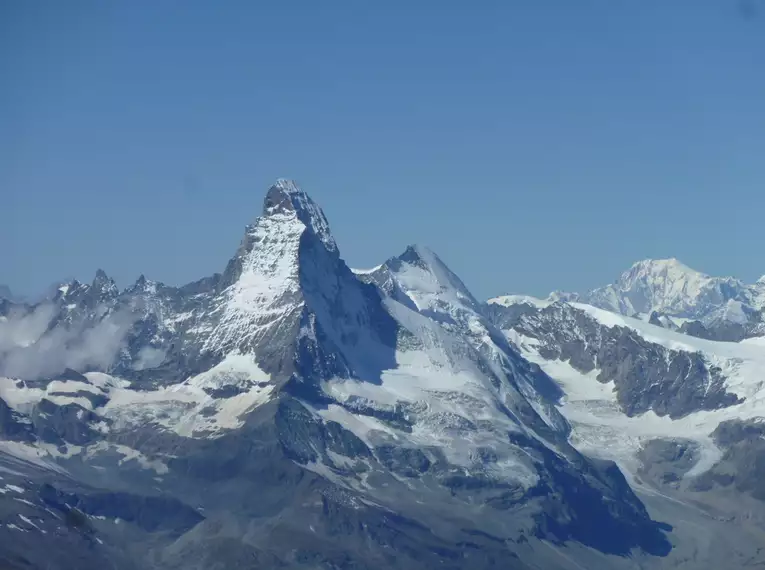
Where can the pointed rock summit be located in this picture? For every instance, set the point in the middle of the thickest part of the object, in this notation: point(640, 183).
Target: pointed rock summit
point(104, 284)
point(286, 283)
point(285, 196)
point(427, 279)
point(6, 293)
point(274, 238)
point(385, 404)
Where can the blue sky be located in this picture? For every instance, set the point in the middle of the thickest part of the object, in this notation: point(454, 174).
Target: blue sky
point(535, 145)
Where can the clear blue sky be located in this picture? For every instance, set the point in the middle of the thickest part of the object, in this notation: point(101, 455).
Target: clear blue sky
point(534, 145)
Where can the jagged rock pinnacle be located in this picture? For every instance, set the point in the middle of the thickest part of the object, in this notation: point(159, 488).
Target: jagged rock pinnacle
point(285, 195)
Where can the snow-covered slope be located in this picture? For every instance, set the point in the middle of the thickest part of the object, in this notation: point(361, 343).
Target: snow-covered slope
point(367, 405)
point(669, 292)
point(455, 373)
point(511, 300)
point(266, 284)
point(630, 385)
point(420, 281)
point(670, 287)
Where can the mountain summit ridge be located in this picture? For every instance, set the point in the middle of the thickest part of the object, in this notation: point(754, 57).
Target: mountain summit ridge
point(384, 412)
point(285, 194)
point(670, 288)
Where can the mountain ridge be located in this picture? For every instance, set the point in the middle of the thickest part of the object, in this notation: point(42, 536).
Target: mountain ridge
point(377, 406)
point(670, 293)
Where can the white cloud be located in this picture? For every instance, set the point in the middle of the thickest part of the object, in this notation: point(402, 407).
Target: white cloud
point(149, 357)
point(22, 328)
point(29, 350)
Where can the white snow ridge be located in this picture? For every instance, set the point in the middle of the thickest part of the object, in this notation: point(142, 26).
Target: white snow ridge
point(290, 411)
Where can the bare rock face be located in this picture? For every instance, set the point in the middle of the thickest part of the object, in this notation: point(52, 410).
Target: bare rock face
point(678, 404)
point(646, 376)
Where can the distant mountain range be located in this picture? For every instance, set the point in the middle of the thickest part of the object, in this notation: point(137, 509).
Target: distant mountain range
point(668, 287)
point(670, 294)
point(292, 412)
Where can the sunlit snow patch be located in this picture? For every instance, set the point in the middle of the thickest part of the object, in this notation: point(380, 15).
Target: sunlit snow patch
point(510, 300)
point(22, 398)
point(192, 407)
point(600, 427)
point(451, 403)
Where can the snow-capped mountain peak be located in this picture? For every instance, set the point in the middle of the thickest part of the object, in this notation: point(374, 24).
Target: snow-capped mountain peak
point(143, 285)
point(286, 195)
point(104, 284)
point(656, 284)
point(669, 291)
point(286, 283)
point(667, 286)
point(261, 282)
point(671, 267)
point(510, 300)
point(672, 271)
point(355, 401)
point(426, 278)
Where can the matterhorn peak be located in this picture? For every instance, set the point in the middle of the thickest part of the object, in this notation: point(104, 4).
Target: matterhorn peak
point(286, 196)
point(287, 262)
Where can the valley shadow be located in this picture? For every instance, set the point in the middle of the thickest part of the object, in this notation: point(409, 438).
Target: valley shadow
point(589, 501)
